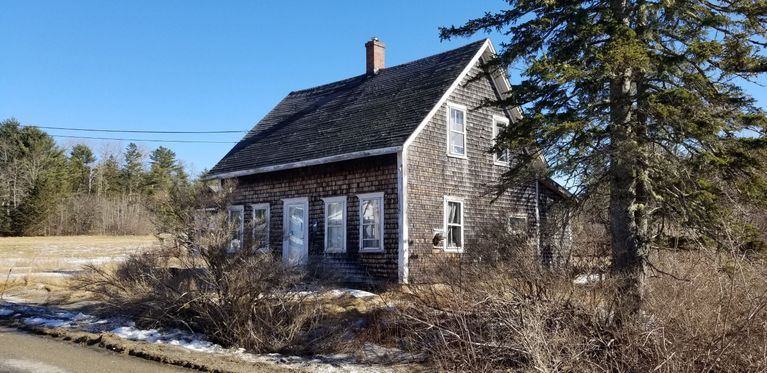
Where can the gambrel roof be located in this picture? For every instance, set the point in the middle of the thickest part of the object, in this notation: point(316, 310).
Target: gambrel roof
point(365, 115)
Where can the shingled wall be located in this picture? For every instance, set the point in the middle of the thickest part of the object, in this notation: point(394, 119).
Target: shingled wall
point(347, 178)
point(432, 175)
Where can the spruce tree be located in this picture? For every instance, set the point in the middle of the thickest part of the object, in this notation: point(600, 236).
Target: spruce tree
point(642, 99)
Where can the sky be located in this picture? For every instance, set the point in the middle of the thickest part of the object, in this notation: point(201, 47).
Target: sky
point(200, 65)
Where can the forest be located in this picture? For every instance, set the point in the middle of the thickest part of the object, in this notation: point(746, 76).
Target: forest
point(47, 189)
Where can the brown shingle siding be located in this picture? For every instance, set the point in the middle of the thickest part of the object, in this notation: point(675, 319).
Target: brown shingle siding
point(432, 175)
point(349, 178)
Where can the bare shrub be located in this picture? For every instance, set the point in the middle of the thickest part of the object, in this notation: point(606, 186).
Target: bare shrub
point(704, 311)
point(241, 297)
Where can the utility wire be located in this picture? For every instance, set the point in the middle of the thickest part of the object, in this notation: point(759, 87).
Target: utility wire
point(132, 131)
point(145, 140)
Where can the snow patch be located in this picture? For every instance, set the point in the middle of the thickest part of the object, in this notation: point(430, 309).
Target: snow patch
point(42, 321)
point(173, 337)
point(588, 279)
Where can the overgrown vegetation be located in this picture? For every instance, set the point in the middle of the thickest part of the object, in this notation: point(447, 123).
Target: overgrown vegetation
point(705, 310)
point(237, 297)
point(48, 190)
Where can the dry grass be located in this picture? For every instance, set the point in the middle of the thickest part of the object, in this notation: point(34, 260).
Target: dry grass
point(709, 313)
point(34, 266)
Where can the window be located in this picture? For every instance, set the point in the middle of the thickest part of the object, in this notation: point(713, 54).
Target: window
point(235, 215)
point(335, 224)
point(371, 222)
point(517, 224)
point(456, 131)
point(501, 156)
point(261, 226)
point(453, 224)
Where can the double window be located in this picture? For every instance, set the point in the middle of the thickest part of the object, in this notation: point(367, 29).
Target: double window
point(501, 156)
point(261, 226)
point(335, 224)
point(454, 224)
point(456, 130)
point(371, 222)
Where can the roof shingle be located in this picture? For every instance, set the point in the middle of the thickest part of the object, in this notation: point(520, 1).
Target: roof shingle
point(362, 113)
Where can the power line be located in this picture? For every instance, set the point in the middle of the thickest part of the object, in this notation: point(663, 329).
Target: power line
point(133, 131)
point(145, 140)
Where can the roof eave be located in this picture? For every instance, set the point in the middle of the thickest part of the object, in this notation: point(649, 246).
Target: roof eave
point(304, 163)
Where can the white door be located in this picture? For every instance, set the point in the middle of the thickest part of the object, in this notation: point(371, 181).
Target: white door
point(295, 227)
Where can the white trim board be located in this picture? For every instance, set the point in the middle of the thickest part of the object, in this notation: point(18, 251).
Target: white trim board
point(308, 162)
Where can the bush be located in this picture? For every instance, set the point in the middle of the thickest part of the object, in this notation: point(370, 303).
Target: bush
point(703, 311)
point(243, 298)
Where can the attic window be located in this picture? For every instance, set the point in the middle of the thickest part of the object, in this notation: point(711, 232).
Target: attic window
point(501, 156)
point(456, 131)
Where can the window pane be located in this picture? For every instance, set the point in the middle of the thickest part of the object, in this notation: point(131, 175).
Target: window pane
point(456, 119)
point(454, 236)
point(371, 243)
point(335, 237)
point(335, 213)
point(517, 224)
point(260, 227)
point(370, 231)
point(453, 213)
point(370, 211)
point(456, 143)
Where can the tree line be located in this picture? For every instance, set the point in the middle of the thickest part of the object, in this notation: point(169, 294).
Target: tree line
point(46, 189)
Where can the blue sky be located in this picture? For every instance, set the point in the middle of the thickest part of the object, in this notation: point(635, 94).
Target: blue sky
point(193, 65)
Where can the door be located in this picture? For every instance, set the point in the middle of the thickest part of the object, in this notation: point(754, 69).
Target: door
point(295, 227)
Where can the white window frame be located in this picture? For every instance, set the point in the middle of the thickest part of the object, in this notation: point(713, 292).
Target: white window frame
point(241, 210)
point(261, 206)
point(505, 121)
point(371, 196)
point(461, 108)
point(448, 199)
point(342, 201)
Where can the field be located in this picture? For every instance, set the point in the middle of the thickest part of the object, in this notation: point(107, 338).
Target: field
point(30, 265)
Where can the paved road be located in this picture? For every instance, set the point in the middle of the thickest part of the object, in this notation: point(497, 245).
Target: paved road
point(21, 352)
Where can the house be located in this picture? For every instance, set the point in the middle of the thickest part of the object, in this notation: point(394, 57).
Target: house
point(383, 172)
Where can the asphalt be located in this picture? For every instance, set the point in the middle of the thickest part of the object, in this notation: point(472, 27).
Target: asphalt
point(20, 352)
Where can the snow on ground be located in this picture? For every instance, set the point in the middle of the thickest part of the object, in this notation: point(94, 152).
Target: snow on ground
point(586, 279)
point(57, 318)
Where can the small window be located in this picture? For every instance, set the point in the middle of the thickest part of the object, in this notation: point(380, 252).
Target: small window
point(517, 224)
point(456, 131)
point(235, 215)
point(335, 224)
point(501, 156)
point(261, 226)
point(371, 222)
point(453, 224)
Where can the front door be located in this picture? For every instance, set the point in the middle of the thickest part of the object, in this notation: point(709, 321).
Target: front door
point(295, 226)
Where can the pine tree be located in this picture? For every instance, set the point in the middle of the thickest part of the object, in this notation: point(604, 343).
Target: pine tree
point(164, 170)
point(133, 171)
point(81, 168)
point(640, 98)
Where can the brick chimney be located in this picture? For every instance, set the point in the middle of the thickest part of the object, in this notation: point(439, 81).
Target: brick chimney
point(374, 53)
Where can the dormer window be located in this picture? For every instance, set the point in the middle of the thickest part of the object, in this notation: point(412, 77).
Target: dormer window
point(501, 156)
point(456, 131)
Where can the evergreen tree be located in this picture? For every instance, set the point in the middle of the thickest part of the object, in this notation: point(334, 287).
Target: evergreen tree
point(108, 178)
point(165, 170)
point(81, 168)
point(133, 170)
point(641, 98)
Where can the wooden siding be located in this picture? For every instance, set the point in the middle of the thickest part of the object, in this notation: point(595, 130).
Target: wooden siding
point(432, 175)
point(348, 178)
